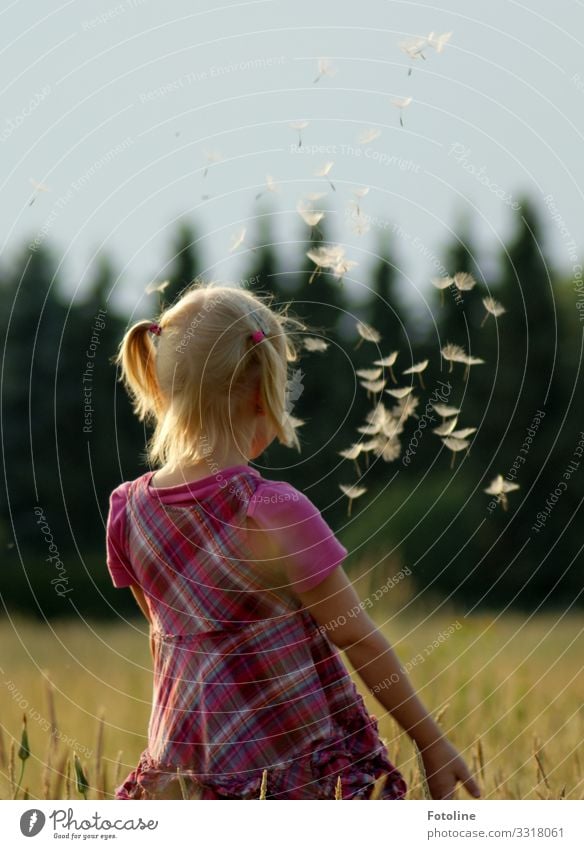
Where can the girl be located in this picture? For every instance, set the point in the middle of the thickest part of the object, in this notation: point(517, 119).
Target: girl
point(241, 581)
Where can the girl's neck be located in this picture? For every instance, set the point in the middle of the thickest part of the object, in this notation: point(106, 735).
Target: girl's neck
point(194, 471)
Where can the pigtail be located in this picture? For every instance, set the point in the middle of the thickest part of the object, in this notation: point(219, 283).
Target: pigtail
point(136, 359)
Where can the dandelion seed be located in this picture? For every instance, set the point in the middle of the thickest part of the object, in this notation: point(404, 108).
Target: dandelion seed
point(360, 193)
point(311, 343)
point(342, 266)
point(325, 69)
point(314, 196)
point(367, 333)
point(471, 361)
point(369, 373)
point(453, 353)
point(446, 428)
point(439, 42)
point(401, 392)
point(388, 362)
point(388, 449)
point(445, 411)
point(359, 222)
point(352, 452)
point(212, 157)
point(463, 433)
point(237, 240)
point(38, 187)
point(373, 385)
point(324, 172)
point(270, 187)
point(369, 429)
point(454, 445)
point(417, 368)
point(492, 307)
point(405, 408)
point(309, 215)
point(156, 286)
point(500, 487)
point(413, 48)
point(464, 281)
point(299, 126)
point(368, 136)
point(401, 103)
point(442, 283)
point(352, 491)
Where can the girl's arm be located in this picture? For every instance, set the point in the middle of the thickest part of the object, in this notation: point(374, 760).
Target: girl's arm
point(138, 594)
point(377, 665)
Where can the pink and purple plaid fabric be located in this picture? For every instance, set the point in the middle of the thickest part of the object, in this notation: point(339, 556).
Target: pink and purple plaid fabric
point(244, 679)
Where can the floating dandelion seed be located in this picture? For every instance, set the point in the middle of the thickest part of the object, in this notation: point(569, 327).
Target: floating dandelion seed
point(471, 361)
point(442, 283)
point(500, 487)
point(413, 47)
point(401, 103)
point(352, 453)
point(401, 392)
point(439, 42)
point(309, 216)
point(359, 222)
point(388, 362)
point(367, 333)
point(445, 411)
point(492, 307)
point(325, 69)
point(360, 193)
point(237, 240)
point(464, 281)
point(327, 256)
point(38, 187)
point(388, 449)
point(453, 353)
point(270, 186)
point(156, 286)
point(369, 429)
point(342, 266)
point(369, 373)
point(405, 408)
point(312, 343)
point(314, 196)
point(352, 491)
point(324, 172)
point(212, 157)
point(454, 445)
point(463, 432)
point(373, 385)
point(368, 136)
point(417, 368)
point(299, 126)
point(446, 428)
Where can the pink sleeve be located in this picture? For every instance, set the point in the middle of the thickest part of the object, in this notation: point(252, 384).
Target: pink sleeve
point(118, 564)
point(309, 548)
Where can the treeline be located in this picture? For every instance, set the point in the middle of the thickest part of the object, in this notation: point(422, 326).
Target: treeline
point(69, 436)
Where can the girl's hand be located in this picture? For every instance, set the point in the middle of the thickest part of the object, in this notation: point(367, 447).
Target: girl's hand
point(444, 767)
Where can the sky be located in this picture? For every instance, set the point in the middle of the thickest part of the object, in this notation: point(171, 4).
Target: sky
point(115, 109)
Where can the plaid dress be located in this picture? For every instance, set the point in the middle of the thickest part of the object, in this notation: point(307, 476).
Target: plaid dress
point(244, 678)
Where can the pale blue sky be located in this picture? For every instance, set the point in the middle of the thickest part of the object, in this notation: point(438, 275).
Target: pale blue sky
point(92, 102)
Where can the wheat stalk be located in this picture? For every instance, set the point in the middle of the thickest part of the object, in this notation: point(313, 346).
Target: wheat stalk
point(264, 784)
point(68, 779)
point(422, 771)
point(339, 789)
point(182, 783)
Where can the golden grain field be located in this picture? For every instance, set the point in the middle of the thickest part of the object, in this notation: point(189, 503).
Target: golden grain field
point(508, 689)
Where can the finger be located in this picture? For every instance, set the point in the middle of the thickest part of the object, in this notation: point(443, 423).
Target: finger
point(470, 785)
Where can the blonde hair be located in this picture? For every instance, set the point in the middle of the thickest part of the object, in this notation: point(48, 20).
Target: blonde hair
point(195, 380)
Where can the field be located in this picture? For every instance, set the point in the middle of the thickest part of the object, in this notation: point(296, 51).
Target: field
point(508, 690)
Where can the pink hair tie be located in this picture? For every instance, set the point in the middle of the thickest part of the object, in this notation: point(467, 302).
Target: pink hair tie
point(155, 328)
point(258, 335)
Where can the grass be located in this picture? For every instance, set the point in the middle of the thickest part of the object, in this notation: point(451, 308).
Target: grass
point(508, 691)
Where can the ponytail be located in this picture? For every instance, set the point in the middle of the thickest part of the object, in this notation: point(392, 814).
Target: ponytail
point(136, 359)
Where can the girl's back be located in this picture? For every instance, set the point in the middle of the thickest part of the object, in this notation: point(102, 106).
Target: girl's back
point(243, 677)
